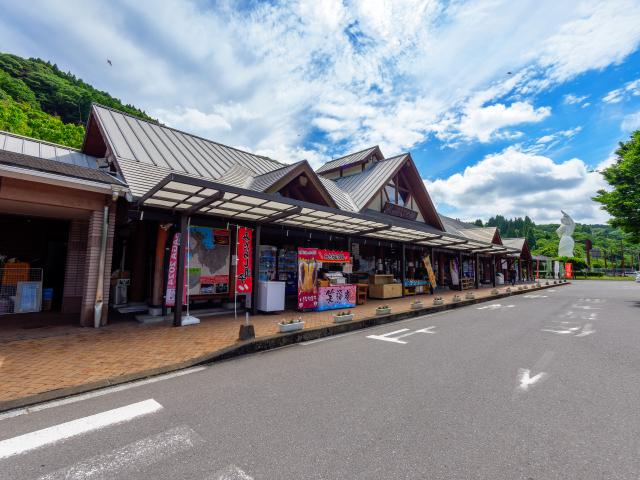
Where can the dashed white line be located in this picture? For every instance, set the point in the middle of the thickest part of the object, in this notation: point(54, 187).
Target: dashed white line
point(40, 438)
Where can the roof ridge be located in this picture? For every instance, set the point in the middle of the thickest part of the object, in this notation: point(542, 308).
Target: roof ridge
point(186, 133)
point(352, 153)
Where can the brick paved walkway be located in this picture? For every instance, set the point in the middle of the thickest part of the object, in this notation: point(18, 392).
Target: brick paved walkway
point(81, 356)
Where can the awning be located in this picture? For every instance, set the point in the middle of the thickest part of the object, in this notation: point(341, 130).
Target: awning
point(190, 196)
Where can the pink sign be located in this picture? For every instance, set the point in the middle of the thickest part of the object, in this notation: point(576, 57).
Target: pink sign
point(172, 275)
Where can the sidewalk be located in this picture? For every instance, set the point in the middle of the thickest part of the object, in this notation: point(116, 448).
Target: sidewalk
point(91, 358)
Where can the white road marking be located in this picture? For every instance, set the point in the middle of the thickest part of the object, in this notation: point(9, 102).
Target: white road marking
point(587, 307)
point(526, 380)
point(142, 453)
point(97, 393)
point(388, 338)
point(535, 296)
point(494, 306)
point(40, 438)
point(586, 330)
point(232, 473)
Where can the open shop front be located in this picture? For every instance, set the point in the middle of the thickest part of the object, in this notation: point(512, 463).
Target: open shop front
point(377, 266)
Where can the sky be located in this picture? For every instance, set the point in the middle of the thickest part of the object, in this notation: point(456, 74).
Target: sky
point(507, 107)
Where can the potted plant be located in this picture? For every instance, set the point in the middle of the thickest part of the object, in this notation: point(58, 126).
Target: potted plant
point(291, 325)
point(456, 298)
point(508, 290)
point(417, 305)
point(495, 291)
point(383, 310)
point(341, 317)
point(547, 282)
point(438, 300)
point(470, 296)
point(520, 287)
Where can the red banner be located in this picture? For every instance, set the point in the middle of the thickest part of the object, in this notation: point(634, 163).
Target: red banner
point(568, 270)
point(244, 276)
point(333, 256)
point(172, 275)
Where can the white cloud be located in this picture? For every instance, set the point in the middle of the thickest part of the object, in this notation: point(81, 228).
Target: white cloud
point(366, 72)
point(628, 89)
point(516, 183)
point(631, 122)
point(571, 99)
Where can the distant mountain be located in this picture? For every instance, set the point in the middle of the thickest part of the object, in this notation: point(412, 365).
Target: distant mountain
point(39, 100)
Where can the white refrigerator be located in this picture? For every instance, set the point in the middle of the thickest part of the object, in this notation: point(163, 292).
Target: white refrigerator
point(271, 296)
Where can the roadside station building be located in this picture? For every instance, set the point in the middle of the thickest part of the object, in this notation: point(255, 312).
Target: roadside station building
point(363, 222)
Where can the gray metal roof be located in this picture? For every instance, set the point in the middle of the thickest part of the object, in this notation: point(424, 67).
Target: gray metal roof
point(453, 225)
point(342, 199)
point(61, 168)
point(263, 182)
point(148, 144)
point(350, 159)
point(483, 234)
point(46, 150)
point(514, 243)
point(362, 187)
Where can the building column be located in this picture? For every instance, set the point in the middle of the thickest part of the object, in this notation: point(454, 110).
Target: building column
point(476, 270)
point(177, 314)
point(158, 267)
point(74, 273)
point(460, 271)
point(92, 261)
point(441, 269)
point(403, 267)
point(493, 271)
point(256, 270)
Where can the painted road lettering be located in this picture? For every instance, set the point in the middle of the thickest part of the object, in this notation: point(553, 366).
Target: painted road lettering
point(404, 332)
point(494, 306)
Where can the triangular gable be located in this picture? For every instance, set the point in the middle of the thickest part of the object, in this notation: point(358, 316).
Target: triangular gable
point(407, 176)
point(301, 183)
point(351, 160)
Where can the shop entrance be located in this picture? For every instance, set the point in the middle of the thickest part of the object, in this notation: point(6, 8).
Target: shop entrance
point(33, 256)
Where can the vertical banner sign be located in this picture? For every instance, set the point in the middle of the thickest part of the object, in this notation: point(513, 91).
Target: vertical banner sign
point(307, 276)
point(244, 277)
point(568, 270)
point(172, 275)
point(432, 276)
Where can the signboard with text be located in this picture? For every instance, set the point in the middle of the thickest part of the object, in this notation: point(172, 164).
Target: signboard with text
point(244, 276)
point(338, 296)
point(307, 275)
point(172, 274)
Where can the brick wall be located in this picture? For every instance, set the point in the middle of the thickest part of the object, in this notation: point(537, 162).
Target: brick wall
point(75, 269)
point(92, 260)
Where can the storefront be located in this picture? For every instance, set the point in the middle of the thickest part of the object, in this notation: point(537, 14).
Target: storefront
point(57, 215)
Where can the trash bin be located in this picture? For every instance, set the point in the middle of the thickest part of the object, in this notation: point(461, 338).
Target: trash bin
point(47, 298)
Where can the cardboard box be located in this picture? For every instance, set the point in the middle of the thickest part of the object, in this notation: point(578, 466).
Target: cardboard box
point(389, 290)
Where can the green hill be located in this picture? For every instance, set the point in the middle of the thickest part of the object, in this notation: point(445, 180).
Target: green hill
point(39, 100)
point(543, 239)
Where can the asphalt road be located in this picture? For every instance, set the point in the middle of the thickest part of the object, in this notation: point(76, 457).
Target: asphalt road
point(538, 386)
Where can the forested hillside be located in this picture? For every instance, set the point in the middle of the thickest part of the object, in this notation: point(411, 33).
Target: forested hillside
point(39, 100)
point(543, 239)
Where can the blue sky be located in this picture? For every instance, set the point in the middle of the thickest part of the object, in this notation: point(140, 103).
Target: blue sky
point(507, 107)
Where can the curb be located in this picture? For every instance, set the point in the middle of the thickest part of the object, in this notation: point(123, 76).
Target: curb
point(257, 345)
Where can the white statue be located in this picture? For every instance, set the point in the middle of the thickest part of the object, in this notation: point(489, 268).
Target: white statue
point(564, 231)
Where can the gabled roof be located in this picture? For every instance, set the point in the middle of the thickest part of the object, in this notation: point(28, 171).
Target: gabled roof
point(135, 140)
point(453, 225)
point(350, 159)
point(519, 244)
point(362, 187)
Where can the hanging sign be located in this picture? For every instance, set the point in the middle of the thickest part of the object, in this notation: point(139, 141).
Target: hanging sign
point(244, 276)
point(307, 276)
point(332, 256)
point(172, 275)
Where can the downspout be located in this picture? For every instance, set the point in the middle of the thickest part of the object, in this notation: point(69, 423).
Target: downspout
point(97, 319)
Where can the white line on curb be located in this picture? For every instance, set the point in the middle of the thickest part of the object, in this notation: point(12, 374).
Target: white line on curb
point(97, 393)
point(40, 438)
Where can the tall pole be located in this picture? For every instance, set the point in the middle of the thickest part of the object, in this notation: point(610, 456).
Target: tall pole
point(177, 314)
point(256, 271)
point(403, 267)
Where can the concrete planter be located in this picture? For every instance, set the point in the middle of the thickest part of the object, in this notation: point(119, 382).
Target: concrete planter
point(290, 327)
point(342, 318)
point(383, 311)
point(456, 299)
point(470, 296)
point(438, 302)
point(417, 305)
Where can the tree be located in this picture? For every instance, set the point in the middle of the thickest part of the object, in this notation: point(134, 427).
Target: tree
point(623, 200)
